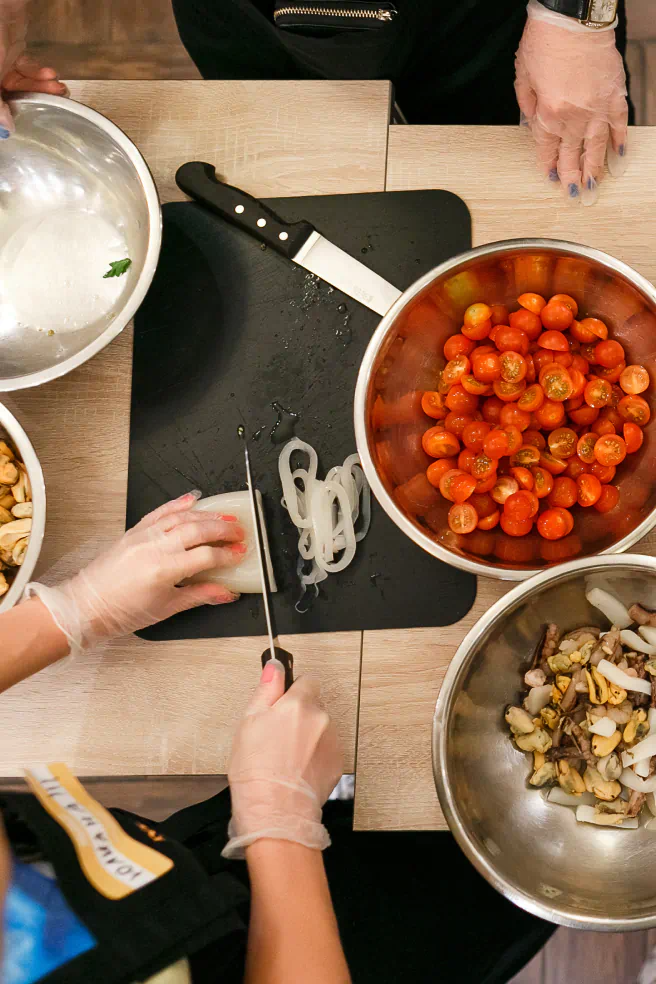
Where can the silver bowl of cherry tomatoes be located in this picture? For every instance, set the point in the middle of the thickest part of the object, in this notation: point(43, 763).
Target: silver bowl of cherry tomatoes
point(503, 410)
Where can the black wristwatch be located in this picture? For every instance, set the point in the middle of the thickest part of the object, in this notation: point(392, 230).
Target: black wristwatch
point(591, 13)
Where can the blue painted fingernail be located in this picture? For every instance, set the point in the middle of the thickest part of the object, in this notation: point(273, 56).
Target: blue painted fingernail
point(591, 184)
point(553, 174)
point(622, 150)
point(4, 132)
point(573, 190)
point(523, 120)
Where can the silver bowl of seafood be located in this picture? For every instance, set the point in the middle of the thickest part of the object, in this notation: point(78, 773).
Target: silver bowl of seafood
point(544, 744)
point(22, 509)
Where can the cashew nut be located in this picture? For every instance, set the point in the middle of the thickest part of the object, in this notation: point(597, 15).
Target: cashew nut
point(22, 510)
point(5, 515)
point(8, 471)
point(4, 587)
point(19, 551)
point(6, 450)
point(7, 501)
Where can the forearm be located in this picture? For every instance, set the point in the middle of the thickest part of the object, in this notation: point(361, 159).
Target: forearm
point(29, 641)
point(293, 935)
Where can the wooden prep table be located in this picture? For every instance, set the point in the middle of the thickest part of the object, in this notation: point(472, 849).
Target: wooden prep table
point(169, 709)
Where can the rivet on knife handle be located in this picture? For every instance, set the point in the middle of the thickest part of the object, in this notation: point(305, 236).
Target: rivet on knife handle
point(198, 180)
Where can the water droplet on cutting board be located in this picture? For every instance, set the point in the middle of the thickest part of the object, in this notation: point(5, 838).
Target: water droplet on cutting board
point(283, 429)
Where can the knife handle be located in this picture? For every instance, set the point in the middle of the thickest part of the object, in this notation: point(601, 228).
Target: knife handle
point(199, 181)
point(287, 661)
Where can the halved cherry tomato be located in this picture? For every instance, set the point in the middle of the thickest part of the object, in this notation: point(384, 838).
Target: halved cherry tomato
point(454, 369)
point(555, 523)
point(578, 382)
point(432, 403)
point(502, 441)
point(567, 300)
point(585, 447)
point(541, 358)
point(405, 410)
point(609, 353)
point(489, 522)
point(462, 518)
point(511, 339)
point(574, 402)
point(562, 442)
point(578, 362)
point(610, 496)
point(534, 438)
point(491, 409)
point(508, 392)
point(458, 345)
point(512, 416)
point(588, 489)
point(634, 409)
point(610, 449)
point(439, 443)
point(459, 399)
point(556, 382)
point(634, 380)
point(553, 465)
point(581, 333)
point(472, 385)
point(477, 332)
point(486, 367)
point(455, 422)
point(564, 492)
point(596, 327)
point(474, 434)
point(575, 467)
point(532, 302)
point(504, 486)
point(523, 477)
point(525, 457)
point(521, 505)
point(633, 437)
point(487, 483)
point(605, 473)
point(585, 416)
point(483, 503)
point(531, 371)
point(515, 527)
point(476, 314)
point(526, 321)
point(466, 459)
point(554, 341)
point(556, 551)
point(513, 367)
point(556, 316)
point(610, 375)
point(499, 314)
point(550, 415)
point(450, 482)
point(588, 353)
point(543, 482)
point(603, 425)
point(597, 393)
point(438, 468)
point(531, 398)
point(483, 467)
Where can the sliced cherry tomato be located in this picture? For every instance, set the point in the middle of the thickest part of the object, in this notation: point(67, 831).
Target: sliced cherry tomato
point(531, 371)
point(502, 441)
point(491, 409)
point(499, 314)
point(466, 459)
point(556, 382)
point(543, 482)
point(603, 425)
point(588, 353)
point(458, 345)
point(462, 518)
point(575, 467)
point(556, 551)
point(508, 392)
point(432, 403)
point(555, 523)
point(532, 302)
point(574, 402)
point(512, 416)
point(534, 438)
point(610, 449)
point(562, 442)
point(486, 484)
point(596, 327)
point(633, 437)
point(550, 415)
point(438, 468)
point(588, 489)
point(450, 482)
point(455, 422)
point(483, 467)
point(439, 443)
point(564, 492)
point(605, 473)
point(523, 477)
point(585, 416)
point(474, 434)
point(486, 367)
point(581, 333)
point(526, 321)
point(564, 359)
point(477, 332)
point(483, 349)
point(483, 503)
point(489, 522)
point(454, 369)
point(553, 465)
point(513, 367)
point(610, 496)
point(556, 316)
point(585, 447)
point(477, 314)
point(554, 341)
point(521, 505)
point(597, 393)
point(525, 457)
point(459, 399)
point(609, 353)
point(610, 375)
point(472, 385)
point(531, 398)
point(511, 339)
point(515, 527)
point(634, 409)
point(578, 381)
point(541, 358)
point(504, 486)
point(634, 380)
point(567, 300)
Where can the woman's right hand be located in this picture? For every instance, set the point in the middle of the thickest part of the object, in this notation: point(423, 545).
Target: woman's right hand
point(285, 762)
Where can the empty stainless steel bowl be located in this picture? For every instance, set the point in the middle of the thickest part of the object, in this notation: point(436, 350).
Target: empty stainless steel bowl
point(533, 852)
point(75, 195)
point(406, 354)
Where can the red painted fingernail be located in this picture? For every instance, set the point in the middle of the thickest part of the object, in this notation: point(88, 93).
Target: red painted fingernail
point(268, 673)
point(228, 519)
point(239, 548)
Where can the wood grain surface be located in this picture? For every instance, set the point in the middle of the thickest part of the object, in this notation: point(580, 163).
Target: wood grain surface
point(143, 708)
point(492, 169)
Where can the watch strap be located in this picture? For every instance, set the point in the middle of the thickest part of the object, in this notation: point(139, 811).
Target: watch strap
point(591, 12)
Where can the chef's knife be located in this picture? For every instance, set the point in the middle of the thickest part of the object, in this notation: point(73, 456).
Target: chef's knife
point(275, 650)
point(298, 241)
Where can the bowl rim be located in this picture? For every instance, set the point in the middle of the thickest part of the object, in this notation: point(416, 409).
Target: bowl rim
point(18, 436)
point(28, 380)
point(364, 377)
point(449, 689)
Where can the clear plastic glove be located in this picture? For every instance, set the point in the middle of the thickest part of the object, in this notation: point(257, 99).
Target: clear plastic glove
point(19, 72)
point(134, 584)
point(285, 762)
point(571, 89)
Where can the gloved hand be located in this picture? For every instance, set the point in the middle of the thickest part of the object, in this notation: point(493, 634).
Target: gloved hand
point(571, 89)
point(18, 72)
point(285, 762)
point(134, 584)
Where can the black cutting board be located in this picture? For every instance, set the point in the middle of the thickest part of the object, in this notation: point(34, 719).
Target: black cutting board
point(227, 329)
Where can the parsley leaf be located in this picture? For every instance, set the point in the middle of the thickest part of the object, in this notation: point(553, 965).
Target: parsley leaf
point(117, 268)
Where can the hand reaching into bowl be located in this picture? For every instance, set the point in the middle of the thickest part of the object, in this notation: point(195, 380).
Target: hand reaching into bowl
point(18, 71)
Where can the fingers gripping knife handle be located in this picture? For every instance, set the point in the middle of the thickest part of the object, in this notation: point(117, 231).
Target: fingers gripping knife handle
point(287, 661)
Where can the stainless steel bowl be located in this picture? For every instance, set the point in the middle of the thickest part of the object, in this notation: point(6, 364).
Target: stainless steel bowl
point(535, 853)
point(75, 193)
point(13, 433)
point(405, 356)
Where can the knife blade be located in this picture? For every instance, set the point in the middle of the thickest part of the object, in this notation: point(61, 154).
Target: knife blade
point(299, 242)
point(275, 650)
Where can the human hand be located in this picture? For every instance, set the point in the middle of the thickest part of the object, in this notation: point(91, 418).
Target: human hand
point(571, 89)
point(19, 72)
point(134, 583)
point(285, 761)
